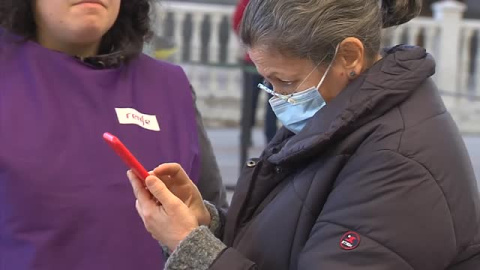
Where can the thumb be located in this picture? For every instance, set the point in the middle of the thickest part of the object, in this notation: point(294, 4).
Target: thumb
point(160, 191)
point(174, 170)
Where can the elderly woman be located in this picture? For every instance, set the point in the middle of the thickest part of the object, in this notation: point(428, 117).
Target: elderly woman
point(69, 71)
point(369, 171)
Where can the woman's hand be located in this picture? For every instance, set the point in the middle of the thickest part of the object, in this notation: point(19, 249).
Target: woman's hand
point(169, 221)
point(178, 182)
point(170, 206)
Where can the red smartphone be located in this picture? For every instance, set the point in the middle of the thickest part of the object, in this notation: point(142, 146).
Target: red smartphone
point(126, 156)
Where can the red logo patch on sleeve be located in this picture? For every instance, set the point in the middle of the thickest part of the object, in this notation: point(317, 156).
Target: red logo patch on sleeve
point(350, 241)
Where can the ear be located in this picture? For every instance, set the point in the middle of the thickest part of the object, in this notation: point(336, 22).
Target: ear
point(351, 55)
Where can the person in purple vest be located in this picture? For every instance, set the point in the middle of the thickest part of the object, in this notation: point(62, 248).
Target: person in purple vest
point(71, 70)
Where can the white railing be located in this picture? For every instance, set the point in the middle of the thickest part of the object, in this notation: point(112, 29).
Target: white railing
point(215, 15)
point(470, 42)
point(210, 51)
point(420, 31)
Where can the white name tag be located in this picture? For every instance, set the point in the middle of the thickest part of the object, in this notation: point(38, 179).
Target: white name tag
point(131, 116)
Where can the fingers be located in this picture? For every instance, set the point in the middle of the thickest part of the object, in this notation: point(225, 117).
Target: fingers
point(172, 170)
point(138, 188)
point(160, 191)
point(167, 180)
point(135, 182)
point(139, 210)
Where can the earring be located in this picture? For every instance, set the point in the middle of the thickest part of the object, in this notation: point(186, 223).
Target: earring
point(353, 74)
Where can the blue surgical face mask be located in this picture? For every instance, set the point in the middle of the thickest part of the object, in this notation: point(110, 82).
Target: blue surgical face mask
point(294, 111)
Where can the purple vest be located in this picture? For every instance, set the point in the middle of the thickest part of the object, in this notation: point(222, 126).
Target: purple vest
point(65, 200)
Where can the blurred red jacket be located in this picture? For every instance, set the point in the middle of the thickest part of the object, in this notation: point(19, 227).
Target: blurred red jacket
point(237, 19)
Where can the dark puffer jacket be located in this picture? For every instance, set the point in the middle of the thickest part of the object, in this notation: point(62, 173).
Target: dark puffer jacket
point(379, 179)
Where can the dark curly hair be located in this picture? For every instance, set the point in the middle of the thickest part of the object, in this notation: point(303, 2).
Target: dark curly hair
point(128, 34)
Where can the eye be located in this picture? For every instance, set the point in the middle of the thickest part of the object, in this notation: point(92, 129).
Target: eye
point(286, 82)
point(279, 86)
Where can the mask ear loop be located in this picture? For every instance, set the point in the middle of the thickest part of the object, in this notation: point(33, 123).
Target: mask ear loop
point(292, 100)
point(328, 68)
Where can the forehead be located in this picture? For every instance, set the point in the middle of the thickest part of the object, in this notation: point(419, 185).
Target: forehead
point(269, 61)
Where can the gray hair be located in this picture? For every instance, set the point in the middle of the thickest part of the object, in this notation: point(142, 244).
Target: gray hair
point(313, 28)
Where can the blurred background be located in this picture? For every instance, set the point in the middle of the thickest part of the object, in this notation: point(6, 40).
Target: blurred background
point(199, 36)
